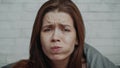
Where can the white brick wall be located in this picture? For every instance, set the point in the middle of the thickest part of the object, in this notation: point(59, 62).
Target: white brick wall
point(101, 18)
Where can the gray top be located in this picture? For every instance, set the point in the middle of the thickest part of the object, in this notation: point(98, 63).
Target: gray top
point(94, 59)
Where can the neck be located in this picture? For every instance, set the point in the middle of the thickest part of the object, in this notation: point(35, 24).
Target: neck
point(60, 63)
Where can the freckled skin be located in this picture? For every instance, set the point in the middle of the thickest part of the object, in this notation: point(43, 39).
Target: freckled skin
point(58, 30)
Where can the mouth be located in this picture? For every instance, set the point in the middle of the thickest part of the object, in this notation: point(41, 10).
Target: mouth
point(56, 48)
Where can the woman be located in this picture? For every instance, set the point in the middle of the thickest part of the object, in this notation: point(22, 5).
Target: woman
point(58, 38)
point(54, 18)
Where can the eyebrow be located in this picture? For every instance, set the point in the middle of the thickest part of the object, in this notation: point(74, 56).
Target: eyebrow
point(65, 25)
point(50, 25)
point(61, 25)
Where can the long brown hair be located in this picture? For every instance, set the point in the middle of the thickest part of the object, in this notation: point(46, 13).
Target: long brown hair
point(37, 58)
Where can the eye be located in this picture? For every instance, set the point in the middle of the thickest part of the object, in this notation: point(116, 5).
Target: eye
point(67, 30)
point(46, 29)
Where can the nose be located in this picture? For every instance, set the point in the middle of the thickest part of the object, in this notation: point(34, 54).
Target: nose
point(56, 36)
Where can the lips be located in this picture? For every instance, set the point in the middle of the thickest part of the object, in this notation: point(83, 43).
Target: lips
point(56, 48)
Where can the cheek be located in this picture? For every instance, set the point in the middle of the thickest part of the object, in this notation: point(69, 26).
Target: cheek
point(70, 42)
point(44, 38)
point(70, 39)
point(44, 42)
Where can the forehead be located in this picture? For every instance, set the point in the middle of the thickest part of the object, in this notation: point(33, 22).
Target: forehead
point(57, 17)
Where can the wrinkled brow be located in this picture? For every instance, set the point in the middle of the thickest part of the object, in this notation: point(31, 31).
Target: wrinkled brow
point(48, 26)
point(59, 25)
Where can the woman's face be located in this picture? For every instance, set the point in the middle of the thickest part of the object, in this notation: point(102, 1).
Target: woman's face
point(58, 35)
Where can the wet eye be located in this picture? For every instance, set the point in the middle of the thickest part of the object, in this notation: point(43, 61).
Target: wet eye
point(47, 30)
point(67, 30)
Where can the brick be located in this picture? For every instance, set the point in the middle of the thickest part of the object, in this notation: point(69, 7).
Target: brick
point(103, 42)
point(6, 45)
point(105, 8)
point(28, 16)
point(106, 26)
point(111, 1)
point(32, 7)
point(11, 58)
point(11, 7)
point(20, 44)
point(20, 1)
point(87, 1)
point(17, 16)
point(25, 33)
point(16, 25)
point(3, 60)
point(102, 34)
point(23, 25)
point(110, 24)
point(101, 16)
point(5, 25)
point(8, 33)
point(9, 16)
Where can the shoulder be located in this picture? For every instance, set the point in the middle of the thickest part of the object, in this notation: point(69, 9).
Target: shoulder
point(95, 59)
point(21, 64)
point(91, 51)
point(18, 64)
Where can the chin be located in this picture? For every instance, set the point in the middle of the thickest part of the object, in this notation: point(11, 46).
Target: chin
point(56, 58)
